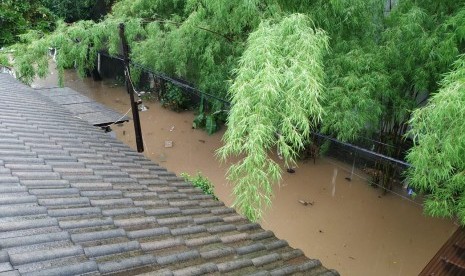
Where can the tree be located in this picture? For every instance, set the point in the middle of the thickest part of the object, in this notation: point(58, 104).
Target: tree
point(16, 17)
point(276, 99)
point(438, 157)
point(72, 11)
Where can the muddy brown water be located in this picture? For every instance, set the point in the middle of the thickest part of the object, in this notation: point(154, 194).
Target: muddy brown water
point(349, 227)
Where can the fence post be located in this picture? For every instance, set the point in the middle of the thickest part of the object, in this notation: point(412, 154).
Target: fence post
point(130, 89)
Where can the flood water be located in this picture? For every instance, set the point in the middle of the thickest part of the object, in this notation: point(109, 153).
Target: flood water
point(349, 227)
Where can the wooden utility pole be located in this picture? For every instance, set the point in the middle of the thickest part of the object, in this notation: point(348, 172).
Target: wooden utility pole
point(130, 89)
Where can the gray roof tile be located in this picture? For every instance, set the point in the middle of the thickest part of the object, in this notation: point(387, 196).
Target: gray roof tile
point(223, 211)
point(4, 200)
point(261, 235)
point(266, 259)
point(188, 230)
point(92, 186)
point(206, 220)
point(137, 234)
point(174, 220)
point(28, 167)
point(12, 189)
point(286, 270)
point(5, 267)
point(33, 239)
point(123, 211)
point(221, 228)
point(234, 238)
point(250, 248)
point(75, 269)
point(162, 211)
point(233, 265)
point(14, 211)
point(73, 170)
point(202, 241)
point(39, 175)
point(70, 224)
point(102, 194)
point(178, 257)
point(248, 227)
point(98, 235)
point(260, 273)
point(125, 264)
point(194, 211)
point(9, 179)
point(112, 202)
point(66, 201)
point(134, 221)
point(45, 183)
point(157, 245)
point(22, 160)
point(29, 231)
point(108, 249)
point(54, 192)
point(27, 224)
point(66, 212)
point(45, 255)
point(276, 245)
point(292, 254)
point(202, 269)
point(218, 253)
point(4, 257)
point(145, 194)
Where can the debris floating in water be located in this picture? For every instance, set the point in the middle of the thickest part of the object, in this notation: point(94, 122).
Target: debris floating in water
point(305, 203)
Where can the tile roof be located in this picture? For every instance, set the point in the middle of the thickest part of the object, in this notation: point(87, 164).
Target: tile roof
point(83, 107)
point(74, 200)
point(450, 258)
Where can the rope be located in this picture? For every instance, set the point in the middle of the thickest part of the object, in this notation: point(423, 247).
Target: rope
point(119, 120)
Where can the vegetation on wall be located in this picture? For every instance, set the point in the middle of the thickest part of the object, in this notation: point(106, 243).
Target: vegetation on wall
point(344, 68)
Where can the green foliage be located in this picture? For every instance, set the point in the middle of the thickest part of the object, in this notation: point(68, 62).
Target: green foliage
point(173, 98)
point(211, 126)
point(353, 105)
point(209, 121)
point(16, 17)
point(71, 10)
point(438, 157)
point(201, 182)
point(269, 110)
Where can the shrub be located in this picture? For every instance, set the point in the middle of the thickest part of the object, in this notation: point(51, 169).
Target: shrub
point(201, 182)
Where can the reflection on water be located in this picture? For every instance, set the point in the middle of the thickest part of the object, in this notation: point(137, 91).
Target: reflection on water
point(334, 182)
point(355, 230)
